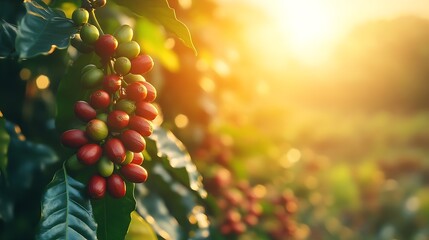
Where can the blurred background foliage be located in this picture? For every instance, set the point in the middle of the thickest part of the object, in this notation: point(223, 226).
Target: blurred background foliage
point(312, 145)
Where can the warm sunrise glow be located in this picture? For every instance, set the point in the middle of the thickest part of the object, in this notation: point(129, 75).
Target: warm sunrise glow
point(307, 27)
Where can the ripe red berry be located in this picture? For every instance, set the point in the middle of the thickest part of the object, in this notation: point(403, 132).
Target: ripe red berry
point(97, 187)
point(138, 158)
point(115, 150)
point(151, 92)
point(117, 120)
point(111, 83)
point(141, 125)
point(141, 64)
point(84, 111)
point(105, 46)
point(146, 110)
point(133, 141)
point(136, 91)
point(134, 173)
point(89, 154)
point(97, 130)
point(74, 138)
point(99, 99)
point(116, 186)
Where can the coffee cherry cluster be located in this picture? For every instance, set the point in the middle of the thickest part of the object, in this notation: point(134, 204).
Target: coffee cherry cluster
point(240, 207)
point(117, 113)
point(285, 206)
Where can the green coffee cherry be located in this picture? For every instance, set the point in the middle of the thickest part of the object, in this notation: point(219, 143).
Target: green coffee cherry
point(130, 78)
point(92, 77)
point(128, 49)
point(122, 65)
point(80, 16)
point(105, 167)
point(89, 33)
point(124, 34)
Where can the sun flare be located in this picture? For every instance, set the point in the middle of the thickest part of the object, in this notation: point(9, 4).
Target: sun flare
point(306, 26)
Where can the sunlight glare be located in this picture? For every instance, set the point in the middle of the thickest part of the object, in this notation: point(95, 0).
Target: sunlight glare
point(307, 27)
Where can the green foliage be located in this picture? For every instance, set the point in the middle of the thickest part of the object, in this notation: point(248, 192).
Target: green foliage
point(66, 210)
point(4, 144)
point(139, 229)
point(160, 12)
point(42, 30)
point(70, 90)
point(114, 215)
point(7, 38)
point(173, 190)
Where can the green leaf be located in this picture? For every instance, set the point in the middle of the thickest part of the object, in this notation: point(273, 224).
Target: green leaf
point(175, 179)
point(70, 90)
point(42, 30)
point(114, 215)
point(177, 160)
point(139, 229)
point(4, 145)
point(66, 210)
point(152, 207)
point(7, 39)
point(160, 12)
point(152, 39)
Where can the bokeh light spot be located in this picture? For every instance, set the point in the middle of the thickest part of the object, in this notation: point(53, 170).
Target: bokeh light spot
point(25, 74)
point(42, 82)
point(181, 121)
point(207, 84)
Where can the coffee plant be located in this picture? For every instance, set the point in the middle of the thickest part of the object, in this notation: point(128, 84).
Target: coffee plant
point(118, 173)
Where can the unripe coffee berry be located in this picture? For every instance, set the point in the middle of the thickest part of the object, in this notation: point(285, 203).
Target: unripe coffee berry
point(80, 16)
point(126, 105)
point(130, 78)
point(84, 111)
point(128, 49)
point(74, 138)
point(129, 156)
point(133, 141)
point(115, 150)
point(99, 99)
point(92, 78)
point(96, 187)
point(89, 154)
point(89, 34)
point(105, 167)
point(97, 130)
point(117, 120)
point(116, 186)
point(122, 65)
point(124, 34)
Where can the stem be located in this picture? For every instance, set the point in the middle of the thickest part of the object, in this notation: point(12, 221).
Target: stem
point(94, 20)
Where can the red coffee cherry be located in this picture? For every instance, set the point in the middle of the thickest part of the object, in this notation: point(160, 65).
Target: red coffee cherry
point(141, 64)
point(74, 138)
point(151, 92)
point(105, 46)
point(138, 158)
point(111, 83)
point(97, 130)
point(117, 120)
point(89, 154)
point(146, 110)
point(115, 150)
point(141, 125)
point(97, 187)
point(133, 141)
point(84, 111)
point(99, 99)
point(116, 186)
point(136, 91)
point(134, 173)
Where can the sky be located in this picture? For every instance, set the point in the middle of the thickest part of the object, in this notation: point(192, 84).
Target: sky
point(312, 27)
